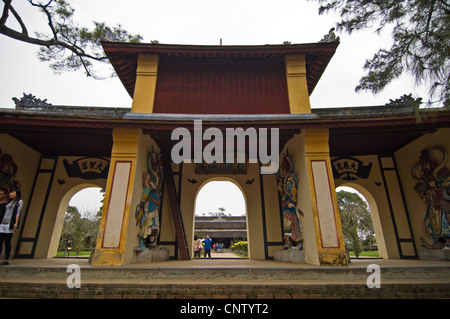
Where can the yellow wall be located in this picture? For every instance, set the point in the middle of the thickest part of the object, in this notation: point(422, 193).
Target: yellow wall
point(59, 196)
point(27, 161)
point(373, 190)
point(406, 157)
point(322, 230)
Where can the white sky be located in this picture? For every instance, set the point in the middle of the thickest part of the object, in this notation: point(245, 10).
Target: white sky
point(220, 194)
point(237, 22)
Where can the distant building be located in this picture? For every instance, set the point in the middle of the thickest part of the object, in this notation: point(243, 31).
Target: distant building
point(222, 229)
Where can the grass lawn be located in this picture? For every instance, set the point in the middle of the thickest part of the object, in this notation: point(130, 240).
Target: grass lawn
point(366, 254)
point(85, 253)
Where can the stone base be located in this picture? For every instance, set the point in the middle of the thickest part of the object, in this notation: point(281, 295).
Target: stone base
point(435, 254)
point(289, 256)
point(150, 255)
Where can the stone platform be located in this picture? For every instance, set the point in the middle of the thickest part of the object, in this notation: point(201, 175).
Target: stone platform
point(152, 255)
point(224, 279)
point(435, 254)
point(289, 256)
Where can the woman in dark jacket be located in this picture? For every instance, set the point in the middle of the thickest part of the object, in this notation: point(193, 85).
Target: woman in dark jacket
point(9, 221)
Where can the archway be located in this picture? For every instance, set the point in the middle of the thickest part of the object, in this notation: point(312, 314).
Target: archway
point(86, 198)
point(373, 208)
point(220, 211)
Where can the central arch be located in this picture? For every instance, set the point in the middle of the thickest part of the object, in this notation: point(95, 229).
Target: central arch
point(205, 193)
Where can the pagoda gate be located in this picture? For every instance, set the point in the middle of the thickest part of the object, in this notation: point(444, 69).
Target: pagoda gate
point(235, 113)
point(200, 88)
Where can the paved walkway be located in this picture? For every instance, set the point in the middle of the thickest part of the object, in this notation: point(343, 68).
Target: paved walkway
point(226, 260)
point(225, 255)
point(223, 278)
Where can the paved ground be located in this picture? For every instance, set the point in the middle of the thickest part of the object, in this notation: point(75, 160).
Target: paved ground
point(224, 277)
point(228, 260)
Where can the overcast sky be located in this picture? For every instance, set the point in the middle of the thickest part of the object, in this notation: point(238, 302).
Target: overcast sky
point(236, 22)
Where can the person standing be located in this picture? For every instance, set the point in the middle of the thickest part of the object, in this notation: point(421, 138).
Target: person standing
point(207, 242)
point(9, 221)
point(197, 247)
point(68, 248)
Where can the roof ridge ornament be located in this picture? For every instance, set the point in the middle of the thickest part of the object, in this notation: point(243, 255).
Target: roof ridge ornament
point(29, 100)
point(330, 36)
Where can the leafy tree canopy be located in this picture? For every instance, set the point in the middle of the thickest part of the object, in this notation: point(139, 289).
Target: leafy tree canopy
point(67, 46)
point(421, 46)
point(355, 219)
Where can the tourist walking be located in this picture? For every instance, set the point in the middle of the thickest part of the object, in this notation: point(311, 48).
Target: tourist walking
point(68, 248)
point(207, 242)
point(9, 217)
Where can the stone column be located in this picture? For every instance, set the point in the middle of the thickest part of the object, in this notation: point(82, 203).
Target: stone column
point(297, 85)
point(110, 249)
point(325, 210)
point(144, 90)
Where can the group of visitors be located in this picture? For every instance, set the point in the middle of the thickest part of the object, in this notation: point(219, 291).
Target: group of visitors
point(218, 248)
point(198, 246)
point(206, 248)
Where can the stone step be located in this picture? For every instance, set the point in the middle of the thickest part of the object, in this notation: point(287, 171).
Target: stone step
point(229, 273)
point(224, 279)
point(105, 289)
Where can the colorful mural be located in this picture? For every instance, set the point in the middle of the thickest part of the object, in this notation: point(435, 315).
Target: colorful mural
point(287, 182)
point(433, 186)
point(147, 211)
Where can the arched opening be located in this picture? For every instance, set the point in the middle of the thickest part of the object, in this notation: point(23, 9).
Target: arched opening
point(221, 213)
point(370, 234)
point(77, 219)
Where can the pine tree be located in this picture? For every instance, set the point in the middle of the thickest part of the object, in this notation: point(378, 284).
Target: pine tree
point(421, 45)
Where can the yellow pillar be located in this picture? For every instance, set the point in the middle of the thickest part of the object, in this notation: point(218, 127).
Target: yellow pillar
point(144, 89)
point(296, 84)
point(110, 248)
point(325, 210)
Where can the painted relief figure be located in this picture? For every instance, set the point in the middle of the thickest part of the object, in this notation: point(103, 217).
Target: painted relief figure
point(433, 186)
point(147, 211)
point(8, 170)
point(288, 189)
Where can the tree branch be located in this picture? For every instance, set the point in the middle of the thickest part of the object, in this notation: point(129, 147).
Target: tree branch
point(49, 16)
point(19, 19)
point(4, 16)
point(46, 43)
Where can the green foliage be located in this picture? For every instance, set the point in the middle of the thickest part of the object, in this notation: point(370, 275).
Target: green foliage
point(67, 46)
point(420, 46)
point(85, 44)
point(81, 231)
point(356, 221)
point(405, 100)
